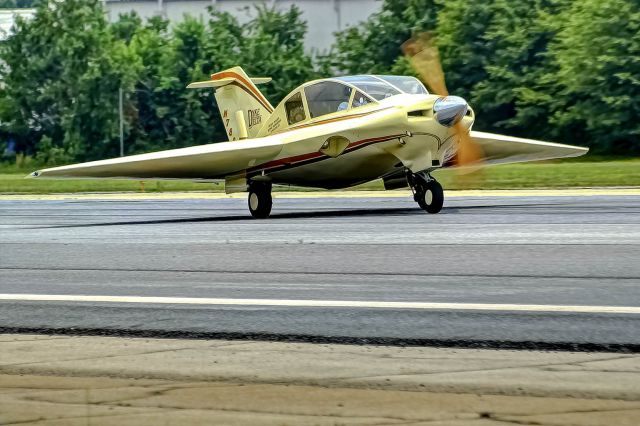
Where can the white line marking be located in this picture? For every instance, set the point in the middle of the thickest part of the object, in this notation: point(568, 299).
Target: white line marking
point(323, 303)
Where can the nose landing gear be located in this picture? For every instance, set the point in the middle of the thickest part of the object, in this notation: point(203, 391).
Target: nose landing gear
point(427, 192)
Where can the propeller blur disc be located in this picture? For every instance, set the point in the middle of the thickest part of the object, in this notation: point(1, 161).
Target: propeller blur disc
point(422, 52)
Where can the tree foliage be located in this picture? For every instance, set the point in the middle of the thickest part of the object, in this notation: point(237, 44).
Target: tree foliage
point(597, 54)
point(373, 47)
point(61, 72)
point(564, 70)
point(63, 69)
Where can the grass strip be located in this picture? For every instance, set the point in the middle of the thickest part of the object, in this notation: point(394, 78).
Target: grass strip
point(618, 173)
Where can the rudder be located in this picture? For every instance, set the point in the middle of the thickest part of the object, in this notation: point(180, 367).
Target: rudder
point(243, 108)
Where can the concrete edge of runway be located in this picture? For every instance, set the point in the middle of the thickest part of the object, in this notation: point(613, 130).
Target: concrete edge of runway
point(367, 366)
point(84, 380)
point(509, 345)
point(401, 193)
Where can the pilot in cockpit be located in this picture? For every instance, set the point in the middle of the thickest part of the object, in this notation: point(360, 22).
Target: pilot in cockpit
point(346, 94)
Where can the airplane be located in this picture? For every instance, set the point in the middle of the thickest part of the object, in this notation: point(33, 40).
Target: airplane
point(329, 133)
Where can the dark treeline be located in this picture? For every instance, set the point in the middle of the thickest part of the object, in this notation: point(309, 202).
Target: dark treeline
point(561, 70)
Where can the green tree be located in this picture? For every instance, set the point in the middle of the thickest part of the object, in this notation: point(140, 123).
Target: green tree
point(272, 45)
point(61, 73)
point(63, 69)
point(186, 114)
point(464, 50)
point(597, 53)
point(145, 103)
point(496, 57)
point(374, 46)
point(164, 114)
point(564, 70)
point(126, 26)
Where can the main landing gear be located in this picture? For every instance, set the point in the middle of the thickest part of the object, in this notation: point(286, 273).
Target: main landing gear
point(427, 192)
point(260, 200)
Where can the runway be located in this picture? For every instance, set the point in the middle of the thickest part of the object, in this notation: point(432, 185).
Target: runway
point(545, 270)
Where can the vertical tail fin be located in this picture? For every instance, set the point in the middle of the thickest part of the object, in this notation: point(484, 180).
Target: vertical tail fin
point(243, 108)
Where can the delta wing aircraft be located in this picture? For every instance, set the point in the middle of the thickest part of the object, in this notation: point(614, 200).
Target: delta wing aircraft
point(329, 133)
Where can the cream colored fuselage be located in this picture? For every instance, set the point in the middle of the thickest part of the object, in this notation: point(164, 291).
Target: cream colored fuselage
point(386, 137)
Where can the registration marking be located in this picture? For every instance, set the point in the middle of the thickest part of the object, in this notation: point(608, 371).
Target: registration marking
point(302, 303)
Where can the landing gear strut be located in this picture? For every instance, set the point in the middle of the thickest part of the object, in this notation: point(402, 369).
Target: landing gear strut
point(427, 192)
point(260, 200)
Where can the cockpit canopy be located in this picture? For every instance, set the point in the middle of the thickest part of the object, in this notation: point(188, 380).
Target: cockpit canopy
point(383, 86)
point(345, 93)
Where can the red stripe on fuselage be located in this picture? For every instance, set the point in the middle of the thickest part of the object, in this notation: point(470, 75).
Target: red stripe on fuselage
point(291, 161)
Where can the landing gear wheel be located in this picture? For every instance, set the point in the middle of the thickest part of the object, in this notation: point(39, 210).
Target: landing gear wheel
point(429, 196)
point(260, 200)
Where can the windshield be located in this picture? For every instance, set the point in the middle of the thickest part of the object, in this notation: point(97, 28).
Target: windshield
point(376, 88)
point(409, 85)
point(383, 86)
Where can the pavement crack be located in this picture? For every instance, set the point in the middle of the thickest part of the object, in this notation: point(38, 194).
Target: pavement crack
point(84, 416)
point(521, 418)
point(44, 339)
point(291, 413)
point(166, 391)
point(471, 370)
point(3, 366)
point(513, 422)
point(321, 273)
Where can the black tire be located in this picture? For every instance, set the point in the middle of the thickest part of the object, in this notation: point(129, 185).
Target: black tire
point(430, 196)
point(259, 200)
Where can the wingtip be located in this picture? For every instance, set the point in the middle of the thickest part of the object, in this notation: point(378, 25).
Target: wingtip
point(582, 151)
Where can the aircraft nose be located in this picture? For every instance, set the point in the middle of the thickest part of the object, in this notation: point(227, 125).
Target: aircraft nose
point(450, 110)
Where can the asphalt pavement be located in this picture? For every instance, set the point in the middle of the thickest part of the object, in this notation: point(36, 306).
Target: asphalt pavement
point(401, 276)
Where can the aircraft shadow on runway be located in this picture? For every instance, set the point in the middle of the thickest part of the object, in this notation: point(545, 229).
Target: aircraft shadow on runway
point(292, 215)
point(295, 215)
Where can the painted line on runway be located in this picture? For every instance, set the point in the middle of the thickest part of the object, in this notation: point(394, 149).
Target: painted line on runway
point(300, 303)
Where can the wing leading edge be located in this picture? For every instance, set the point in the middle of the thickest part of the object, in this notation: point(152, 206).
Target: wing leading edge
point(212, 161)
point(500, 149)
point(219, 160)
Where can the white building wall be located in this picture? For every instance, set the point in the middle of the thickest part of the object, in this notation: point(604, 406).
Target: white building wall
point(324, 17)
point(8, 17)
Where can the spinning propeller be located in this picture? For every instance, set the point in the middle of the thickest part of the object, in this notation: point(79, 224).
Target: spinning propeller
point(423, 55)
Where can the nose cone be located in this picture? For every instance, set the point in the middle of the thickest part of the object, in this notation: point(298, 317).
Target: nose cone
point(450, 110)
